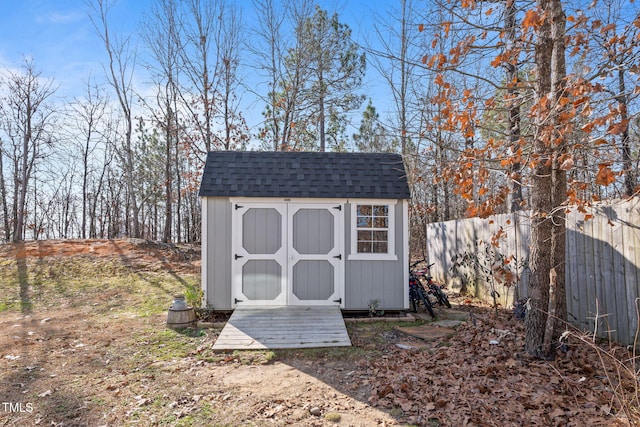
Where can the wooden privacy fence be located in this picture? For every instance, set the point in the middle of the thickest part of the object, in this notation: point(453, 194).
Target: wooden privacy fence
point(602, 263)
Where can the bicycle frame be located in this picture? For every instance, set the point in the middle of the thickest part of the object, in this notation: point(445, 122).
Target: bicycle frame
point(417, 292)
point(433, 288)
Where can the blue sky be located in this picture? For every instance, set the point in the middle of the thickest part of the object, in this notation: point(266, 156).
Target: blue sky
point(60, 38)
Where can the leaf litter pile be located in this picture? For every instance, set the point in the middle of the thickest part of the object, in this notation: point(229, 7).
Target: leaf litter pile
point(480, 377)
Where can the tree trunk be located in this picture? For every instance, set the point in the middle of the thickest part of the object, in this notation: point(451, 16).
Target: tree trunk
point(3, 197)
point(18, 228)
point(548, 184)
point(513, 102)
point(627, 165)
point(321, 116)
point(168, 188)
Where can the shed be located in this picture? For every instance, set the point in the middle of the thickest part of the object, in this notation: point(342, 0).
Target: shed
point(305, 228)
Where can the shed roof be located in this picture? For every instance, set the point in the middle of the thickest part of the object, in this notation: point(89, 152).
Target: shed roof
point(304, 174)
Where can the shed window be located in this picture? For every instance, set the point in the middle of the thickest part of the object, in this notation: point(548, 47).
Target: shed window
point(372, 230)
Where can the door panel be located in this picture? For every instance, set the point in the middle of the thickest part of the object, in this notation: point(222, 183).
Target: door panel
point(259, 259)
point(313, 280)
point(315, 257)
point(287, 253)
point(261, 230)
point(313, 231)
point(262, 279)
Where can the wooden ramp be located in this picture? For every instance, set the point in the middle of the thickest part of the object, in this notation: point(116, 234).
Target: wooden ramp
point(251, 328)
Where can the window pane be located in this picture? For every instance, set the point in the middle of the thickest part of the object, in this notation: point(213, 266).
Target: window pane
point(379, 236)
point(381, 222)
point(365, 235)
point(372, 229)
point(380, 247)
point(364, 210)
point(381, 210)
point(364, 222)
point(364, 247)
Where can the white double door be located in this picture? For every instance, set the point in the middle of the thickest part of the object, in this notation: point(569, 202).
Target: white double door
point(288, 253)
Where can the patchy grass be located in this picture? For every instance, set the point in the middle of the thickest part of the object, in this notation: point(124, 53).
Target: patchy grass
point(333, 417)
point(102, 285)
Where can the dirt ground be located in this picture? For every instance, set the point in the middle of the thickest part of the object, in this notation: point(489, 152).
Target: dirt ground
point(83, 343)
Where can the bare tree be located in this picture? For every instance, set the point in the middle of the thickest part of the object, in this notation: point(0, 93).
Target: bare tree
point(88, 115)
point(280, 56)
point(3, 197)
point(161, 34)
point(120, 69)
point(396, 62)
point(27, 121)
point(269, 49)
point(200, 24)
point(235, 129)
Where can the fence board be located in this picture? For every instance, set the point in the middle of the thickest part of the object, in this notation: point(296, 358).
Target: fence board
point(572, 274)
point(602, 261)
point(620, 290)
point(631, 236)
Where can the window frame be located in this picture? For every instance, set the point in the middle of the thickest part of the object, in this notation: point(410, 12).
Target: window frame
point(390, 255)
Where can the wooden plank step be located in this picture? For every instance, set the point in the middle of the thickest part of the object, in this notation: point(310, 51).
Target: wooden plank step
point(283, 327)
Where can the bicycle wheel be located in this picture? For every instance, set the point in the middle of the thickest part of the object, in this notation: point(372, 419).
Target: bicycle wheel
point(425, 300)
point(443, 298)
point(414, 302)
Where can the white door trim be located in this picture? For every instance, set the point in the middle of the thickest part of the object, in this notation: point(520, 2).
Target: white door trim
point(335, 257)
point(239, 255)
point(286, 256)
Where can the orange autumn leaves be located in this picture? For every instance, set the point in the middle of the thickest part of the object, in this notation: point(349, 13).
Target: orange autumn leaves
point(461, 112)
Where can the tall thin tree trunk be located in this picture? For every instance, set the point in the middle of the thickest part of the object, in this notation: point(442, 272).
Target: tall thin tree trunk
point(18, 230)
point(3, 197)
point(168, 187)
point(548, 183)
point(403, 78)
point(630, 173)
point(513, 102)
point(85, 178)
point(321, 117)
point(559, 176)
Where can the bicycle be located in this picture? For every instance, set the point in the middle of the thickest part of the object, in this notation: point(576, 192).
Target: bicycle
point(434, 288)
point(417, 293)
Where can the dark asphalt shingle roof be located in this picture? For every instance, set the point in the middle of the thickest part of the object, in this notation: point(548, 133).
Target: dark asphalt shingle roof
point(304, 174)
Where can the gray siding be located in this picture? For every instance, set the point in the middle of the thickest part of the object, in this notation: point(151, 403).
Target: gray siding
point(364, 280)
point(218, 256)
point(370, 280)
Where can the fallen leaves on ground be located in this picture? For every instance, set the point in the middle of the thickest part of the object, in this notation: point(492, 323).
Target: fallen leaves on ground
point(467, 381)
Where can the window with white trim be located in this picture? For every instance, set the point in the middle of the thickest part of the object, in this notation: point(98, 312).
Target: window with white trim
point(372, 235)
